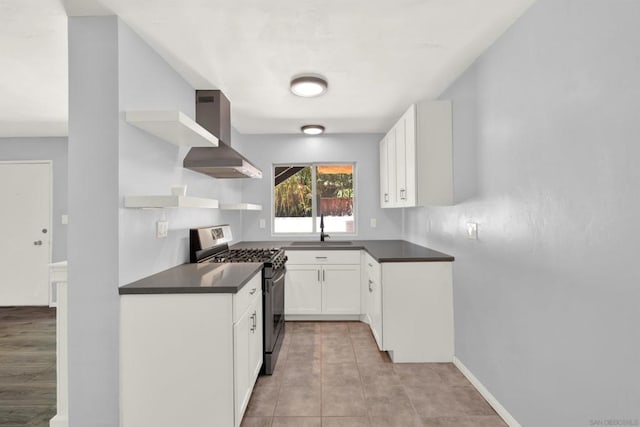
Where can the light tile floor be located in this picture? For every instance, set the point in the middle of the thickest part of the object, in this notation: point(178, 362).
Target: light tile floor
point(331, 374)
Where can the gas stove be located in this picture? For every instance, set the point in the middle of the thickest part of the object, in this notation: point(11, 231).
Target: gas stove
point(210, 244)
point(273, 256)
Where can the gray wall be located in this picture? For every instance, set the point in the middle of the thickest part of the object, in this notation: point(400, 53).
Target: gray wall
point(111, 71)
point(265, 150)
point(151, 166)
point(546, 125)
point(93, 225)
point(54, 149)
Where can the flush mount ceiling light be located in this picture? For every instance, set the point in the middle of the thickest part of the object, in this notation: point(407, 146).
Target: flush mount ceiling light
point(312, 129)
point(308, 86)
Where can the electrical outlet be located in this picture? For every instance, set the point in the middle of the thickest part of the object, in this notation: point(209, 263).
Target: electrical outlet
point(65, 219)
point(472, 231)
point(162, 229)
point(373, 223)
point(263, 223)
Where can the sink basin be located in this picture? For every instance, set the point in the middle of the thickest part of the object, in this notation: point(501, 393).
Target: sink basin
point(318, 243)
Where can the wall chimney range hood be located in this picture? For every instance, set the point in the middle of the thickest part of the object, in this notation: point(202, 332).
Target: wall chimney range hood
point(213, 112)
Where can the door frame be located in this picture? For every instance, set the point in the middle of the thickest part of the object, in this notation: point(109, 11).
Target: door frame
point(50, 218)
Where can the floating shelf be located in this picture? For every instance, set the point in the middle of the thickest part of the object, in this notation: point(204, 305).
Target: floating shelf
point(240, 207)
point(151, 202)
point(172, 126)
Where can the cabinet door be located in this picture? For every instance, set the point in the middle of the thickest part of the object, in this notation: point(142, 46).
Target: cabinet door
point(341, 289)
point(410, 158)
point(375, 311)
point(302, 290)
point(406, 159)
point(241, 380)
point(388, 170)
point(401, 163)
point(384, 174)
point(255, 340)
point(364, 289)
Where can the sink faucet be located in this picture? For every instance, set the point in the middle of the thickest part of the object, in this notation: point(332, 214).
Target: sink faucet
point(322, 233)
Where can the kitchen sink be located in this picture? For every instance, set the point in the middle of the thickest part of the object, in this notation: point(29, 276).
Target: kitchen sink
point(318, 243)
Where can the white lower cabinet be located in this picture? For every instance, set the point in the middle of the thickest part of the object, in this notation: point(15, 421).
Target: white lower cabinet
point(322, 283)
point(189, 359)
point(247, 354)
point(341, 289)
point(409, 308)
point(408, 305)
point(373, 290)
point(303, 290)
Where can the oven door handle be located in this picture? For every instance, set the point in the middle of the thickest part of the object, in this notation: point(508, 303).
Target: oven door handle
point(280, 276)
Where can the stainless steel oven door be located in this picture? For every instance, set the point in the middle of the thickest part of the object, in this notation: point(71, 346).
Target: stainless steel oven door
point(274, 309)
point(273, 319)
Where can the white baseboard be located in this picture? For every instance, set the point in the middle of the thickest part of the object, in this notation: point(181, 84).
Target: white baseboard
point(59, 421)
point(502, 412)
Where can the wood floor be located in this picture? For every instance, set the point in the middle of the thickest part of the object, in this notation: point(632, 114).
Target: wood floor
point(27, 366)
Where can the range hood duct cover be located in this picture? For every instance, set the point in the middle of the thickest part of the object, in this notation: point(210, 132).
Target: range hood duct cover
point(213, 112)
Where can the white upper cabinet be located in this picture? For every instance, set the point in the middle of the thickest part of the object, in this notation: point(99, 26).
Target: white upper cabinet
point(416, 160)
point(387, 170)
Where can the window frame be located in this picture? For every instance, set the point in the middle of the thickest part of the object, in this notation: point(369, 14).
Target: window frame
point(314, 208)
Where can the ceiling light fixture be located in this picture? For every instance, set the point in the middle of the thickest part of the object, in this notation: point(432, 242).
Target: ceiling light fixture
point(308, 86)
point(312, 129)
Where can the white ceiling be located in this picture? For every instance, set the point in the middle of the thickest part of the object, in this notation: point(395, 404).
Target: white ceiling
point(378, 55)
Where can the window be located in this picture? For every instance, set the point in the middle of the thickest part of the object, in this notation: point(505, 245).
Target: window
point(304, 192)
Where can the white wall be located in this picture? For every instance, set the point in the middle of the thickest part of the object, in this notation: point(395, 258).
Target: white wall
point(266, 150)
point(546, 127)
point(54, 149)
point(111, 71)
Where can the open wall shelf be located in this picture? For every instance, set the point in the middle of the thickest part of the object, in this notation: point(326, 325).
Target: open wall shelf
point(156, 202)
point(172, 126)
point(240, 207)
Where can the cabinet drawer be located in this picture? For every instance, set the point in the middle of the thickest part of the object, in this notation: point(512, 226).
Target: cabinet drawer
point(324, 257)
point(372, 267)
point(244, 297)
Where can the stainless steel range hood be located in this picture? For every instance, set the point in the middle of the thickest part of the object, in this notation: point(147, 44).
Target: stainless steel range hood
point(213, 112)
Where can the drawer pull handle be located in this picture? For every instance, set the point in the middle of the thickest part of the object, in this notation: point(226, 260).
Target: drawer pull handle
point(254, 321)
point(370, 265)
point(321, 257)
point(318, 275)
point(370, 288)
point(252, 291)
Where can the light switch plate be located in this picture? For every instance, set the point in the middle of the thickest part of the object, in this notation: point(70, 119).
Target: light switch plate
point(472, 231)
point(65, 219)
point(263, 223)
point(373, 223)
point(162, 229)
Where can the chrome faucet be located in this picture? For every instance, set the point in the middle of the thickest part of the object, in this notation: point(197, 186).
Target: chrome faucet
point(322, 233)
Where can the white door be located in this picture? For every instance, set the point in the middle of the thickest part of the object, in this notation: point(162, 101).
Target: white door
point(256, 345)
point(401, 163)
point(375, 311)
point(410, 165)
point(384, 174)
point(303, 290)
point(242, 334)
point(25, 227)
point(341, 289)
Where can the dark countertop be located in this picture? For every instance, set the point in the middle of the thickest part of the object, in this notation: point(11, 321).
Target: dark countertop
point(380, 250)
point(195, 279)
